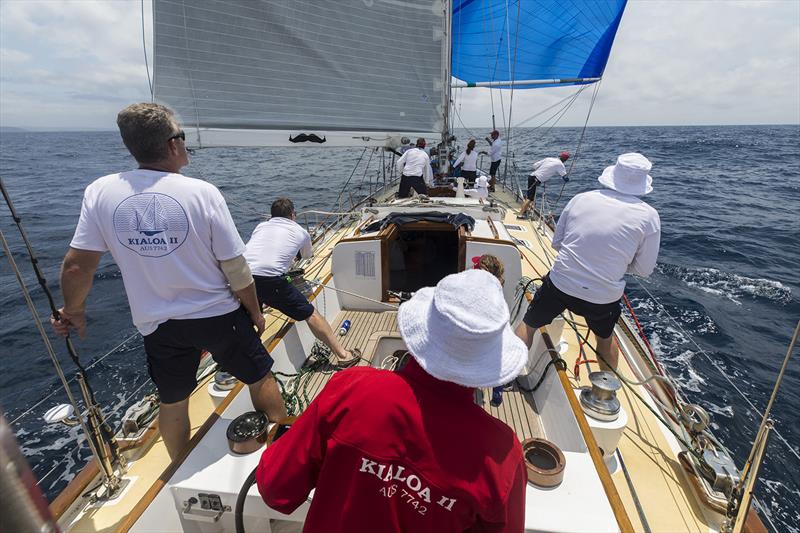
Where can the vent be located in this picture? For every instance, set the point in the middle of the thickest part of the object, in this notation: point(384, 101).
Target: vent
point(365, 264)
point(521, 242)
point(514, 227)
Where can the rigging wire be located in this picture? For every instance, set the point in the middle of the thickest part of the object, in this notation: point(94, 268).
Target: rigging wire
point(146, 65)
point(580, 142)
point(545, 110)
point(96, 418)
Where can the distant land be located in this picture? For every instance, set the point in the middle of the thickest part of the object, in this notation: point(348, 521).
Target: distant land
point(10, 129)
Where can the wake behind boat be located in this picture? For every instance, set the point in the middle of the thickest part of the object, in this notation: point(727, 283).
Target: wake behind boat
point(619, 453)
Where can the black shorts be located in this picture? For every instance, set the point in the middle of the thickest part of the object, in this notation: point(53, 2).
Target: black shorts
point(549, 302)
point(493, 168)
point(174, 349)
point(533, 182)
point(278, 293)
point(470, 176)
point(411, 182)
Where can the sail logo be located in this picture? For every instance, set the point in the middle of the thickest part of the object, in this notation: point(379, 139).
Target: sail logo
point(151, 224)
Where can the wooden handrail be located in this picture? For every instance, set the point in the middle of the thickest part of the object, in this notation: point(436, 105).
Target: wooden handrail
point(610, 489)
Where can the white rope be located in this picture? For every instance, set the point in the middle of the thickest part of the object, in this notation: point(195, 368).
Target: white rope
point(319, 284)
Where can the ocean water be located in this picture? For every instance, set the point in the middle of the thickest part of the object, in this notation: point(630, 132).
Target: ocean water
point(729, 200)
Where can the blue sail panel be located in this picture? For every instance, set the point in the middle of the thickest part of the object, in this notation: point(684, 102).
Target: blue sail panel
point(504, 40)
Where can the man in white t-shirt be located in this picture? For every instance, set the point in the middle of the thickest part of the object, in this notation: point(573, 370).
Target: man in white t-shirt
point(495, 154)
point(181, 259)
point(270, 251)
point(414, 167)
point(543, 170)
point(601, 235)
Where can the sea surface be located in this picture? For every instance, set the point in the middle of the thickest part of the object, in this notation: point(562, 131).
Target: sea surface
point(719, 309)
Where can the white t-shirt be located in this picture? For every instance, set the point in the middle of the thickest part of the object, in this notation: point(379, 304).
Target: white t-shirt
point(602, 235)
point(496, 149)
point(274, 245)
point(470, 160)
point(167, 233)
point(547, 168)
point(415, 162)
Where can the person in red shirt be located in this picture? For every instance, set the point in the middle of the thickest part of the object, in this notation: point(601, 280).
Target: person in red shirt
point(410, 450)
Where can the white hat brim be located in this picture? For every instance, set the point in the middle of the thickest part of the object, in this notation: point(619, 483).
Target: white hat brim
point(496, 362)
point(607, 179)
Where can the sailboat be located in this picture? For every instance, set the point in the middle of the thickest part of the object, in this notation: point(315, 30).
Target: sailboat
point(611, 452)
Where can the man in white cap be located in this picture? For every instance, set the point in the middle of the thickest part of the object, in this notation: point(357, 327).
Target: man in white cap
point(601, 235)
point(409, 450)
point(543, 171)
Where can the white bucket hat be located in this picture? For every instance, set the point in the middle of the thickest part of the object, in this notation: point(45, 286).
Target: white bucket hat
point(458, 331)
point(629, 175)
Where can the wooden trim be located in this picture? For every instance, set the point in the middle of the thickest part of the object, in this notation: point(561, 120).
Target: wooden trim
point(491, 241)
point(492, 227)
point(462, 248)
point(610, 489)
point(74, 489)
point(359, 239)
point(165, 476)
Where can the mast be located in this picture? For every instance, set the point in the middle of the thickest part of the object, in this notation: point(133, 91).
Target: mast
point(447, 50)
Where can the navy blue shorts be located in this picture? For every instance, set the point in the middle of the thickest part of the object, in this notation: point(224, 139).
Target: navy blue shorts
point(549, 302)
point(278, 293)
point(493, 168)
point(174, 350)
point(533, 182)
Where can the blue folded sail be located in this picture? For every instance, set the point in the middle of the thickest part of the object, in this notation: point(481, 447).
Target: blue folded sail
point(525, 40)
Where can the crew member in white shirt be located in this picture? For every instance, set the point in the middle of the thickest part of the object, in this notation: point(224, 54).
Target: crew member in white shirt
point(543, 170)
point(601, 235)
point(415, 171)
point(270, 252)
point(495, 154)
point(181, 259)
point(469, 161)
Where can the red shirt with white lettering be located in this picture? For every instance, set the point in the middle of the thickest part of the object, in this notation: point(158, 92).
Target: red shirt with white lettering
point(397, 451)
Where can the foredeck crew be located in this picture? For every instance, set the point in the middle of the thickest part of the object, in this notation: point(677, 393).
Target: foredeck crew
point(543, 171)
point(178, 250)
point(415, 171)
point(601, 235)
point(469, 163)
point(495, 155)
point(410, 450)
point(270, 251)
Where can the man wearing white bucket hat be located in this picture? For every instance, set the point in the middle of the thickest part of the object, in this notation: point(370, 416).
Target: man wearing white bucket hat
point(601, 235)
point(410, 450)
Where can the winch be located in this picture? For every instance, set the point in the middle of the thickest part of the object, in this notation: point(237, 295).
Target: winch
point(224, 380)
point(601, 401)
point(248, 432)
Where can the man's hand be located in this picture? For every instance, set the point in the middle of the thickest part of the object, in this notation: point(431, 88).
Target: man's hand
point(565, 178)
point(69, 319)
point(259, 322)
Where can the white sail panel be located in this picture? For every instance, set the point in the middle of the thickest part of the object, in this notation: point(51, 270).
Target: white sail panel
point(301, 65)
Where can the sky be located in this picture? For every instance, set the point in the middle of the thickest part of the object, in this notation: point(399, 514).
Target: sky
point(73, 64)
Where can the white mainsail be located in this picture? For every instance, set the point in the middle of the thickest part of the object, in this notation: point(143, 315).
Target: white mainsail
point(247, 72)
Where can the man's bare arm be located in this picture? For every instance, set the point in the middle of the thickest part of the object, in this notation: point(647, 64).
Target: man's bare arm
point(77, 275)
point(249, 300)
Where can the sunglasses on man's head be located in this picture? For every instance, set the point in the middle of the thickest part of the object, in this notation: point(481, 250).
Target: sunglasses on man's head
point(180, 135)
